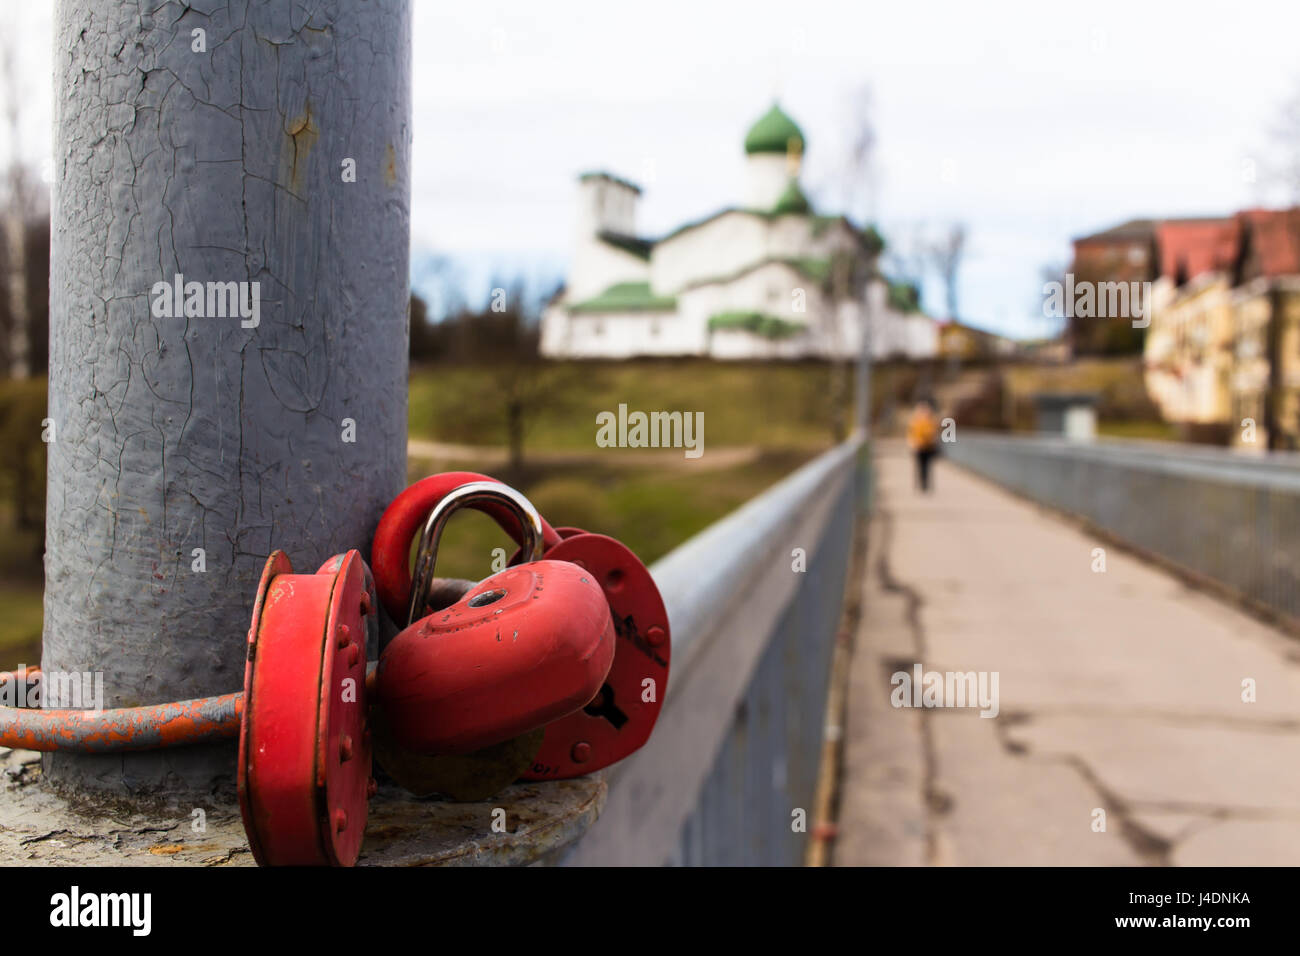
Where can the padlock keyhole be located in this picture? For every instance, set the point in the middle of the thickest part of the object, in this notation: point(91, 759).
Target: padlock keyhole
point(603, 706)
point(486, 598)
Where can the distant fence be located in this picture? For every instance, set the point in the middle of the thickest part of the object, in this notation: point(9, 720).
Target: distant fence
point(737, 745)
point(1230, 518)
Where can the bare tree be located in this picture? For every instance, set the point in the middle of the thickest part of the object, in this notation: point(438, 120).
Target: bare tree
point(849, 272)
point(945, 256)
point(1053, 325)
point(858, 179)
point(1286, 136)
point(512, 385)
point(907, 257)
point(443, 282)
point(20, 205)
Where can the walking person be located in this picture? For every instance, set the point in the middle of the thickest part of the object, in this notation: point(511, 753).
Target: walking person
point(923, 439)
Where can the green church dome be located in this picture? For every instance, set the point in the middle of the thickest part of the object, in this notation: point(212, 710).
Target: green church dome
point(793, 200)
point(774, 133)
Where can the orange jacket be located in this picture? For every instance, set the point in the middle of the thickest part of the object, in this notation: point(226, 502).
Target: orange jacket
point(922, 431)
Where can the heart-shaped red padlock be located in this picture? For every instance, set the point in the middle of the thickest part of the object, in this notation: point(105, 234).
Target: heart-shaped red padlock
point(524, 647)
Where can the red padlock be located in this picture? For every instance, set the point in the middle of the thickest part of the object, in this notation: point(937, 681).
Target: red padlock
point(524, 647)
point(304, 748)
point(619, 719)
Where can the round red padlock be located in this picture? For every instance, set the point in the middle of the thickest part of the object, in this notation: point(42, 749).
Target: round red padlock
point(619, 719)
point(304, 748)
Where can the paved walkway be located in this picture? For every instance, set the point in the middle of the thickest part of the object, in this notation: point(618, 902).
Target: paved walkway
point(1119, 691)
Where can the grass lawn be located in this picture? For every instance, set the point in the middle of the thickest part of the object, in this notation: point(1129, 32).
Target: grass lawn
point(20, 625)
point(21, 612)
point(774, 405)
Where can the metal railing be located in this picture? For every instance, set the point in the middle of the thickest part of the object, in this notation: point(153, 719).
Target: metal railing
point(1229, 518)
point(735, 752)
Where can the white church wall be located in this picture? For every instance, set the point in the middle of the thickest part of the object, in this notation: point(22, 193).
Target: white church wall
point(888, 334)
point(790, 237)
point(844, 338)
point(897, 334)
point(832, 238)
point(626, 334)
point(597, 265)
point(769, 289)
point(553, 340)
point(922, 336)
point(734, 344)
point(720, 247)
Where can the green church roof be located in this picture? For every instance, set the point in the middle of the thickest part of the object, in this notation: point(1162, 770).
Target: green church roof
point(774, 133)
point(759, 323)
point(627, 297)
point(792, 200)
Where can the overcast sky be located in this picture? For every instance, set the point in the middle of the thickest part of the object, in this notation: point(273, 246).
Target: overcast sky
point(1030, 122)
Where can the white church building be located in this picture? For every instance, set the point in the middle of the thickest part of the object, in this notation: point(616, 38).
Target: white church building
point(769, 279)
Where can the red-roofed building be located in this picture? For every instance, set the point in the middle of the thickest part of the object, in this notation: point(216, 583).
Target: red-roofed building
point(1188, 248)
point(1268, 244)
point(1222, 353)
point(1146, 250)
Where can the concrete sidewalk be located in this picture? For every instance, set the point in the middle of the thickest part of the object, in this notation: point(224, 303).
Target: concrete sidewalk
point(1119, 691)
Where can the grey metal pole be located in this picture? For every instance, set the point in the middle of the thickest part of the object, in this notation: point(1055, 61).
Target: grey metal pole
point(862, 389)
point(228, 333)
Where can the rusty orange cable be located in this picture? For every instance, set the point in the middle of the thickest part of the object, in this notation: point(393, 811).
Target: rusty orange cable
point(126, 728)
point(172, 724)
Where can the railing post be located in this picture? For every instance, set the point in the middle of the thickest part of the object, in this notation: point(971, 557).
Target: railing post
point(228, 349)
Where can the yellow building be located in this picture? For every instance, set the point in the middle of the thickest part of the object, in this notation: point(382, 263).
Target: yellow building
point(1188, 354)
point(1222, 353)
point(1266, 363)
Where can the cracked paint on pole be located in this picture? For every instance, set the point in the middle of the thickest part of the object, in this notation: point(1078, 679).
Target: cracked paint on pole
point(217, 156)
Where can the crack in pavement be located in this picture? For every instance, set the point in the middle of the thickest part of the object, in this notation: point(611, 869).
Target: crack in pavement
point(936, 802)
point(1282, 725)
point(1151, 848)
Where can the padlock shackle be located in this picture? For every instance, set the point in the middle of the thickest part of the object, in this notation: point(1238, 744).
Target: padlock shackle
point(475, 494)
point(390, 555)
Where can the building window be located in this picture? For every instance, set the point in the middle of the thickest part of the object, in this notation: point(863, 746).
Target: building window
point(654, 326)
point(598, 328)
